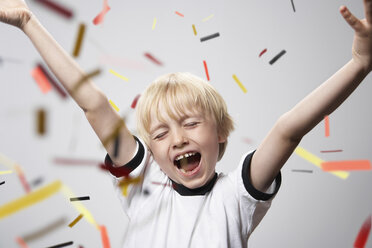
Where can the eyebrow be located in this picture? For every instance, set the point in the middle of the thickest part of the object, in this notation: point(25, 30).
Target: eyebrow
point(181, 119)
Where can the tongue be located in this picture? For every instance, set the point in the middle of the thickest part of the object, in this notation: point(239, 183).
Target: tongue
point(190, 163)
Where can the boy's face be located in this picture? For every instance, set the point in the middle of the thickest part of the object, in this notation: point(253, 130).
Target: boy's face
point(186, 148)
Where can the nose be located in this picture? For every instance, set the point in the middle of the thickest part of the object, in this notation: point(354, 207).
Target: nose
point(179, 139)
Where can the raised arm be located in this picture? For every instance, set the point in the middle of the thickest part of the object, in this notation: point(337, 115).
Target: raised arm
point(101, 116)
point(288, 131)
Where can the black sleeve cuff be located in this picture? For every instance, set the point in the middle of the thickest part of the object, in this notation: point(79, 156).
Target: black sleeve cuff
point(246, 174)
point(128, 167)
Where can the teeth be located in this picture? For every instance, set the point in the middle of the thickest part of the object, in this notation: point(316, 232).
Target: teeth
point(186, 155)
point(183, 170)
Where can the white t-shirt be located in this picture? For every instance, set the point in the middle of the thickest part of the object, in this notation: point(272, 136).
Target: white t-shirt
point(162, 214)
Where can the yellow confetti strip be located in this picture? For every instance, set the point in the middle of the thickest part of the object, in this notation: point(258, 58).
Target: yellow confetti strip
point(126, 182)
point(75, 220)
point(29, 199)
point(317, 161)
point(118, 75)
point(114, 106)
point(208, 18)
point(5, 172)
point(79, 206)
point(154, 24)
point(239, 83)
point(193, 28)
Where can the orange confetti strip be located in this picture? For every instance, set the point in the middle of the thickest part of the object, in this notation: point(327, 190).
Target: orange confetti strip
point(178, 13)
point(22, 178)
point(206, 69)
point(21, 242)
point(346, 165)
point(104, 237)
point(326, 125)
point(99, 18)
point(41, 80)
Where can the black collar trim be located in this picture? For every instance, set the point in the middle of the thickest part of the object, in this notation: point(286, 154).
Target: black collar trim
point(182, 190)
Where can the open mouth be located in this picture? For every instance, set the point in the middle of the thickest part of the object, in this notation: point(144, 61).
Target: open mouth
point(187, 162)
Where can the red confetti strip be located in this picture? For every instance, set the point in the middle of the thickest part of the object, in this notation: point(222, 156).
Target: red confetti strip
point(178, 13)
point(57, 8)
point(41, 80)
point(135, 100)
point(153, 59)
point(363, 234)
point(346, 165)
point(326, 125)
point(99, 18)
point(206, 69)
point(21, 242)
point(262, 52)
point(104, 237)
point(22, 178)
point(52, 81)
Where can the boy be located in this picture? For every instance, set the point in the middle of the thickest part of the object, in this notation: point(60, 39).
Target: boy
point(183, 125)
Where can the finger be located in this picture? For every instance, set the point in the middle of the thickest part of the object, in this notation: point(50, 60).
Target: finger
point(368, 10)
point(354, 22)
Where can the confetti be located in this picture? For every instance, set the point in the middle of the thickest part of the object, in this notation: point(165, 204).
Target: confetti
point(114, 106)
point(40, 121)
point(76, 220)
point(135, 100)
point(206, 69)
point(37, 181)
point(209, 37)
point(61, 92)
point(118, 75)
point(1, 183)
point(72, 161)
point(239, 83)
point(84, 79)
point(308, 171)
point(45, 230)
point(5, 172)
point(194, 29)
point(153, 24)
point(56, 7)
point(82, 198)
point(324, 151)
point(104, 237)
point(21, 242)
point(22, 178)
point(178, 13)
point(207, 18)
point(30, 199)
point(153, 59)
point(99, 18)
point(79, 40)
point(116, 146)
point(61, 245)
point(294, 10)
point(347, 165)
point(317, 161)
point(127, 181)
point(262, 52)
point(273, 60)
point(326, 125)
point(363, 234)
point(41, 80)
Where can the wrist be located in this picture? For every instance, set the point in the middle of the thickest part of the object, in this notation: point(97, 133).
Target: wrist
point(30, 24)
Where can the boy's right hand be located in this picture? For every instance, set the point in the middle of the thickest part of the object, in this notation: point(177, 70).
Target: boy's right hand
point(14, 12)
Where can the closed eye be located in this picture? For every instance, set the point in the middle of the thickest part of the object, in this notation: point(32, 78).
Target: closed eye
point(159, 136)
point(191, 124)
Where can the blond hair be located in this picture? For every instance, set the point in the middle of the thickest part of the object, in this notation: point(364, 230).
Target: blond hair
point(182, 91)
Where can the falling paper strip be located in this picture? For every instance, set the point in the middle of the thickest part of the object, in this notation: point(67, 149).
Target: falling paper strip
point(76, 220)
point(326, 125)
point(363, 234)
point(41, 80)
point(41, 121)
point(262, 52)
point(135, 100)
point(82, 198)
point(206, 69)
point(273, 60)
point(209, 37)
point(153, 24)
point(153, 59)
point(194, 29)
point(104, 237)
point(239, 83)
point(178, 13)
point(59, 89)
point(99, 18)
point(79, 40)
point(56, 7)
point(114, 106)
point(347, 165)
point(118, 75)
point(62, 245)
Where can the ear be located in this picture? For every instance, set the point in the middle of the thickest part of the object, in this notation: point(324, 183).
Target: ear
point(221, 138)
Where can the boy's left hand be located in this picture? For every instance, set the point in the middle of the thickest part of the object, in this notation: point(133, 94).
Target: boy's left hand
point(362, 44)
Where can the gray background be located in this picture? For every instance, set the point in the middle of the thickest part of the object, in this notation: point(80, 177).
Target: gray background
point(311, 210)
